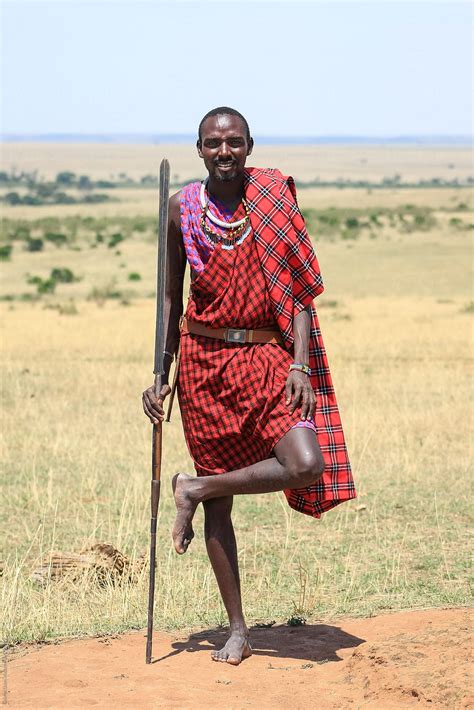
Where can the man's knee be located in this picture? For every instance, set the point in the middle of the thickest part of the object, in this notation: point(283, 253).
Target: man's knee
point(306, 468)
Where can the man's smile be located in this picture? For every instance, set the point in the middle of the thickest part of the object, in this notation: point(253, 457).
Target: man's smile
point(225, 164)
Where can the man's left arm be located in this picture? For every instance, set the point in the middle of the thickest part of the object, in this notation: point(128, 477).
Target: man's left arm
point(298, 389)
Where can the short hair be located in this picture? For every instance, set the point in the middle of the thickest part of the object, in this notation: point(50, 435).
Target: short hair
point(224, 111)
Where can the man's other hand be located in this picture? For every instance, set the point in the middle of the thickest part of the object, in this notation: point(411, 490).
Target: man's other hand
point(298, 391)
point(153, 405)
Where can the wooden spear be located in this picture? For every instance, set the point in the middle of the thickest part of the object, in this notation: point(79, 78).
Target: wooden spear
point(158, 372)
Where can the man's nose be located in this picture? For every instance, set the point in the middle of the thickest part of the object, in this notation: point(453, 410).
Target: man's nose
point(224, 149)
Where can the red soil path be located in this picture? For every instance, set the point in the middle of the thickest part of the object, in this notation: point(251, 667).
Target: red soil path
point(409, 659)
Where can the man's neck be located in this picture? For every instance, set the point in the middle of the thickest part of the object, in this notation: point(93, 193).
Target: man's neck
point(229, 192)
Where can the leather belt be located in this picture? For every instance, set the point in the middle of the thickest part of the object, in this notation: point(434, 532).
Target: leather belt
point(238, 336)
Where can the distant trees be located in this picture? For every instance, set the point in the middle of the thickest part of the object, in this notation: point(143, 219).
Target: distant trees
point(66, 178)
point(85, 183)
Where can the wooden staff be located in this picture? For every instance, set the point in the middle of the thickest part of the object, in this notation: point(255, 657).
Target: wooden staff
point(158, 372)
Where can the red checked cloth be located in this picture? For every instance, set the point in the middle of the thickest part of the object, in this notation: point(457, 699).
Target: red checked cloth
point(232, 396)
point(293, 280)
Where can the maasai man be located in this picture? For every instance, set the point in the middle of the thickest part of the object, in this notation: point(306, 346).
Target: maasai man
point(256, 397)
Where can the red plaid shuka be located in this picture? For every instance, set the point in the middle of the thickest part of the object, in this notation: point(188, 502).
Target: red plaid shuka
point(232, 396)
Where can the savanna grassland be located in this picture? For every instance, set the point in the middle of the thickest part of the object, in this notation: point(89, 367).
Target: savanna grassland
point(77, 315)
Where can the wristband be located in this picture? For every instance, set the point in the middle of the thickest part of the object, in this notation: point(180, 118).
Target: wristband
point(301, 367)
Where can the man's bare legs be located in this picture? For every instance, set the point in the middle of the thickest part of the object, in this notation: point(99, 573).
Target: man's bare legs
point(298, 462)
point(222, 551)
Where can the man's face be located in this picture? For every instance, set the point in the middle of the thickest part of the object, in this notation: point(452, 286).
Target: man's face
point(224, 146)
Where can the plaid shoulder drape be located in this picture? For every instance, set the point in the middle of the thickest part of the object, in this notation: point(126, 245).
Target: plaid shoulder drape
point(293, 280)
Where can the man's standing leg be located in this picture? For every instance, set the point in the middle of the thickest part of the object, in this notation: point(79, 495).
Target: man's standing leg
point(222, 551)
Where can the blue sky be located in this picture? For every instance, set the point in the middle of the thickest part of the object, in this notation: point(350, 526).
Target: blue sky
point(293, 68)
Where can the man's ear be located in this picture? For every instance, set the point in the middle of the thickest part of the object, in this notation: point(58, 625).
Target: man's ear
point(199, 146)
point(250, 148)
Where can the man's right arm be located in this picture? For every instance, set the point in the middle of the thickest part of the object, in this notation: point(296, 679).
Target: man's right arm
point(173, 307)
point(176, 265)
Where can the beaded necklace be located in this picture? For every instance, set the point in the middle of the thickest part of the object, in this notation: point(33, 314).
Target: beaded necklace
point(238, 230)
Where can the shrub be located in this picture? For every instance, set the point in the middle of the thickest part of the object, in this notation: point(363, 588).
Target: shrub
point(63, 275)
point(46, 189)
point(32, 200)
point(352, 223)
point(64, 309)
point(5, 252)
point(62, 198)
point(20, 233)
point(66, 178)
point(140, 225)
point(34, 280)
point(42, 285)
point(115, 239)
point(105, 184)
point(100, 294)
point(84, 183)
point(34, 244)
point(134, 276)
point(12, 198)
point(57, 238)
point(47, 286)
point(68, 309)
point(96, 198)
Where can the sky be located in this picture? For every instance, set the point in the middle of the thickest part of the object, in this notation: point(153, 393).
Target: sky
point(292, 68)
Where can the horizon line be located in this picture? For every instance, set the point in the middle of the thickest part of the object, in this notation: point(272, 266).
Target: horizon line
point(145, 137)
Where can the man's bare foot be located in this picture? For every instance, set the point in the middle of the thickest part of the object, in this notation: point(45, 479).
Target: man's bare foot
point(236, 649)
point(183, 531)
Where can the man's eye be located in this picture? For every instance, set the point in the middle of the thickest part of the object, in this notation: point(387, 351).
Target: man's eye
point(212, 144)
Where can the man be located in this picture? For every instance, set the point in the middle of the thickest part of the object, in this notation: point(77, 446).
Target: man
point(256, 397)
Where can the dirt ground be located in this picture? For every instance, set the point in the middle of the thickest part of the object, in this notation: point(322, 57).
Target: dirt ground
point(418, 658)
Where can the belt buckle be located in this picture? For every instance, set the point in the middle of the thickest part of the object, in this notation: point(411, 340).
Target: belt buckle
point(235, 335)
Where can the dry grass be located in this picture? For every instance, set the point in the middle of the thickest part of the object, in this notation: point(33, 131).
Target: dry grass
point(76, 447)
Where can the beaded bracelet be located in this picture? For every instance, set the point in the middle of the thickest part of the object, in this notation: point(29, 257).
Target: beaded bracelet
point(301, 367)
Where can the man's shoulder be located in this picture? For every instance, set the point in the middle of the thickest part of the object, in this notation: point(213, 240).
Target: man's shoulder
point(266, 181)
point(266, 175)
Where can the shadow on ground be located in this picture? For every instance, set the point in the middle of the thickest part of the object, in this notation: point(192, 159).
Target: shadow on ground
point(318, 643)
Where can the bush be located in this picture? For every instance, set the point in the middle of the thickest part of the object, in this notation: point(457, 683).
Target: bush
point(96, 198)
point(100, 294)
point(84, 183)
point(56, 238)
point(352, 223)
point(34, 244)
point(105, 184)
point(68, 309)
point(46, 286)
point(115, 239)
point(42, 285)
point(66, 178)
point(5, 252)
point(64, 275)
point(32, 200)
point(12, 198)
point(134, 276)
point(20, 233)
point(62, 198)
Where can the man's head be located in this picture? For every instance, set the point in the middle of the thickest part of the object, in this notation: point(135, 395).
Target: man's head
point(224, 143)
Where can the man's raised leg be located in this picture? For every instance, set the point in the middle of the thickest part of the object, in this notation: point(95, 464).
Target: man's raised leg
point(297, 462)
